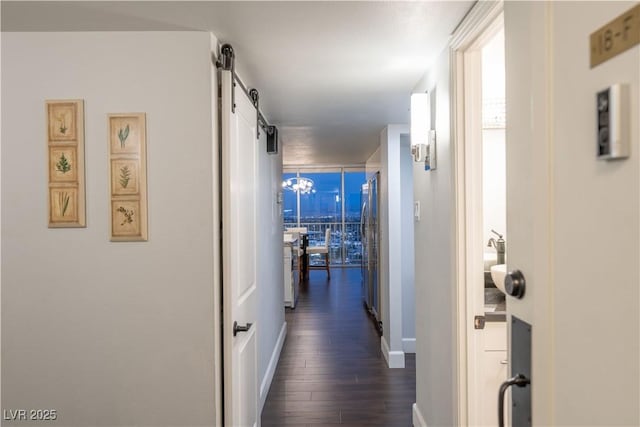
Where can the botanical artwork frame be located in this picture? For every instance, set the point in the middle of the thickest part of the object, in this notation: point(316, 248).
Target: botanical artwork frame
point(63, 120)
point(64, 203)
point(125, 177)
point(65, 162)
point(128, 176)
point(124, 225)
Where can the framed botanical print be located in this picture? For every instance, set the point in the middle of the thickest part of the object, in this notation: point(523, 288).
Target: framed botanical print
point(63, 120)
point(65, 158)
point(126, 221)
point(128, 177)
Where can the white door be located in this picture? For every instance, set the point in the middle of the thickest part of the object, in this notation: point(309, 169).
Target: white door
point(239, 165)
point(573, 220)
point(529, 190)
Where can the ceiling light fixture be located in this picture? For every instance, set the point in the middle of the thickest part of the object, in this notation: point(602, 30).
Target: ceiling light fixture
point(300, 185)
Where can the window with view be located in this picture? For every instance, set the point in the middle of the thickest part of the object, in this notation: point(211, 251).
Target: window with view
point(325, 199)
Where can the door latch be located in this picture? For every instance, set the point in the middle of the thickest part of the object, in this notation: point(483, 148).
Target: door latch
point(478, 322)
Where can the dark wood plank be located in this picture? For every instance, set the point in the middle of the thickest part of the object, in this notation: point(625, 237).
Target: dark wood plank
point(331, 370)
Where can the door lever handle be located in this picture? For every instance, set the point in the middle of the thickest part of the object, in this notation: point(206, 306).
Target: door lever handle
point(520, 381)
point(237, 328)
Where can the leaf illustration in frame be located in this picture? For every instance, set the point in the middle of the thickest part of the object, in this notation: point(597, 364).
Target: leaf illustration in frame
point(123, 134)
point(127, 215)
point(63, 200)
point(125, 176)
point(62, 120)
point(63, 164)
point(63, 124)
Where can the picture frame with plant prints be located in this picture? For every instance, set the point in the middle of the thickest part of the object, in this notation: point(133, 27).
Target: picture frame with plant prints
point(65, 162)
point(128, 177)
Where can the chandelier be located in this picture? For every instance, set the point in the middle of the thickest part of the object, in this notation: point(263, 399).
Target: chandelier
point(299, 184)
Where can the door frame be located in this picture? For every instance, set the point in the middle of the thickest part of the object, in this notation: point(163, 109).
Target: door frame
point(217, 233)
point(471, 32)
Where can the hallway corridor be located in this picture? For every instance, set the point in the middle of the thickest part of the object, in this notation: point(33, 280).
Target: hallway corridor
point(331, 371)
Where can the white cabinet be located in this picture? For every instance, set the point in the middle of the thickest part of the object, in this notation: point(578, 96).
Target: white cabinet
point(290, 288)
point(495, 336)
point(494, 370)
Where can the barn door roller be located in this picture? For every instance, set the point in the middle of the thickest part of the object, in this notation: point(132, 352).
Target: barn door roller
point(227, 62)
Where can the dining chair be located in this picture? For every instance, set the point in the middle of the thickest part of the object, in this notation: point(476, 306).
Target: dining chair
point(298, 250)
point(324, 250)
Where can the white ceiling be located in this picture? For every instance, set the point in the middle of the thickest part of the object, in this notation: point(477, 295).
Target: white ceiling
point(330, 74)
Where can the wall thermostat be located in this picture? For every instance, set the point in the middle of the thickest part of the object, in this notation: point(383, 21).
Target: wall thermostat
point(613, 122)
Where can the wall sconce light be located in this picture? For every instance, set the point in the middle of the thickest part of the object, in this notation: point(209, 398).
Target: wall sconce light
point(423, 139)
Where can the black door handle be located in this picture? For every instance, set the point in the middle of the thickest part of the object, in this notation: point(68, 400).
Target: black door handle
point(237, 328)
point(514, 284)
point(519, 380)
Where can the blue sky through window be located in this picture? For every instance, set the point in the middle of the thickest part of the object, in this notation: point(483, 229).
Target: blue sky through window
point(323, 209)
point(326, 203)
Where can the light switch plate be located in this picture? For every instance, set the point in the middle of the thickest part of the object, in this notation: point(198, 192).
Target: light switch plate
point(416, 211)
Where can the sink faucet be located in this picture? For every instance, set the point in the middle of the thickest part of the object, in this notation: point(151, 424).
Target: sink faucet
point(499, 245)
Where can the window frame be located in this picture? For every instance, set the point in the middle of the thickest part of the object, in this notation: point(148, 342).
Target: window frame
point(298, 170)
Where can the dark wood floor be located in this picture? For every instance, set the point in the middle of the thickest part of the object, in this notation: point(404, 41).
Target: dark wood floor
point(331, 371)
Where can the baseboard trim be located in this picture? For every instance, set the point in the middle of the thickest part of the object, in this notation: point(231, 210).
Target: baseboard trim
point(395, 359)
point(409, 345)
point(271, 368)
point(418, 419)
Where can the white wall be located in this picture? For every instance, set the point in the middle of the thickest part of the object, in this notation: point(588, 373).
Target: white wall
point(397, 302)
point(383, 267)
point(111, 334)
point(434, 263)
point(392, 246)
point(494, 184)
point(407, 259)
point(374, 163)
point(270, 271)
